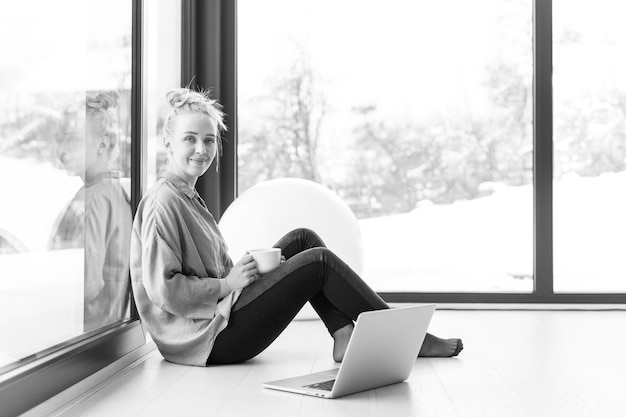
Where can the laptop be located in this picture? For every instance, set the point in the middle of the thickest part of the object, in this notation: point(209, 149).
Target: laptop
point(382, 351)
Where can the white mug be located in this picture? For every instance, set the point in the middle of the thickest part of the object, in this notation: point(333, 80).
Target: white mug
point(266, 259)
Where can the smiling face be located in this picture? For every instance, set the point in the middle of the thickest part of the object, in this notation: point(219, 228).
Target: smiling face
point(191, 146)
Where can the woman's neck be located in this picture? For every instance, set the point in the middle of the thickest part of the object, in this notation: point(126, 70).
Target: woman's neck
point(95, 177)
point(189, 180)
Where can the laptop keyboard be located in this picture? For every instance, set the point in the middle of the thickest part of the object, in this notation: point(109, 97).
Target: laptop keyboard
point(325, 385)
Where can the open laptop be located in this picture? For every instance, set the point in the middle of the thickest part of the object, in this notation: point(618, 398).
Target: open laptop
point(382, 351)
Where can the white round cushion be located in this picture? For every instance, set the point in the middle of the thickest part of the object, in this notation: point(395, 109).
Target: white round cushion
point(264, 213)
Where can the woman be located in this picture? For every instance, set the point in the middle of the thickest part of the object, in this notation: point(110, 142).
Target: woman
point(198, 306)
point(98, 218)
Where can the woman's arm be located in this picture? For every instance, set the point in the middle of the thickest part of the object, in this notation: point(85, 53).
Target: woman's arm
point(163, 234)
point(97, 213)
point(182, 295)
point(162, 229)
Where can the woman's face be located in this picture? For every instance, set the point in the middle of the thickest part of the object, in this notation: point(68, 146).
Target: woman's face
point(77, 149)
point(192, 146)
point(71, 146)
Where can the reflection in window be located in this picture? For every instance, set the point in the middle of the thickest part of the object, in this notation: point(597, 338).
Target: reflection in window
point(64, 171)
point(98, 219)
point(420, 118)
point(589, 146)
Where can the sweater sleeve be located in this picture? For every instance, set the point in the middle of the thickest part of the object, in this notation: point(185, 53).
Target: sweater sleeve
point(166, 285)
point(98, 211)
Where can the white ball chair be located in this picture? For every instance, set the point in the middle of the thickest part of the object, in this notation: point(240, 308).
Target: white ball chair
point(264, 213)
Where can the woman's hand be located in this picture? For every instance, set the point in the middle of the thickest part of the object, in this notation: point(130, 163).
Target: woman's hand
point(243, 273)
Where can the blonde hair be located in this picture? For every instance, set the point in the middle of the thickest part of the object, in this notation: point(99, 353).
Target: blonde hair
point(98, 109)
point(185, 100)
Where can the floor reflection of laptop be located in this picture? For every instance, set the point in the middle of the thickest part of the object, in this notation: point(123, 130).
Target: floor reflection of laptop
point(381, 351)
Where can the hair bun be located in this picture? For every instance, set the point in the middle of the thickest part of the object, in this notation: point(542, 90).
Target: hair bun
point(103, 100)
point(180, 97)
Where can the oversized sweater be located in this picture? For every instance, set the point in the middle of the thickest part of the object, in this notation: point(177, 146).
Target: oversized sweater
point(178, 262)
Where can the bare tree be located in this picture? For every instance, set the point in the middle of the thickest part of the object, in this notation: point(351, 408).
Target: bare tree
point(286, 139)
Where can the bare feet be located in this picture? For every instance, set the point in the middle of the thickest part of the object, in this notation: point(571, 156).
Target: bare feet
point(440, 348)
point(342, 337)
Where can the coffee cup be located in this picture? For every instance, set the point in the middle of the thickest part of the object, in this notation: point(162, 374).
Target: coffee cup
point(266, 259)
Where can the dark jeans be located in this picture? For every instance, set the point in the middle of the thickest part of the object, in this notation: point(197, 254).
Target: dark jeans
point(311, 273)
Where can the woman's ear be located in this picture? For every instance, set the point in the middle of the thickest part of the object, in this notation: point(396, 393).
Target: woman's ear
point(167, 144)
point(103, 144)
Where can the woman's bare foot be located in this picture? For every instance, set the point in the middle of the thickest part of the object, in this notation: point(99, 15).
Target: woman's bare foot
point(342, 337)
point(433, 346)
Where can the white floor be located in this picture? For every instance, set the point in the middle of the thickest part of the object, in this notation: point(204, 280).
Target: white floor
point(515, 363)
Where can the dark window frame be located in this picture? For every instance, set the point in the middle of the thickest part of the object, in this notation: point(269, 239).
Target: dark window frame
point(211, 58)
point(38, 379)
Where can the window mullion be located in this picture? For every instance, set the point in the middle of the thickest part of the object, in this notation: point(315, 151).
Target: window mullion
point(543, 149)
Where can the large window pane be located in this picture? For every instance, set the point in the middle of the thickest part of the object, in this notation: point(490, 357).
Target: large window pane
point(65, 218)
point(418, 114)
point(590, 146)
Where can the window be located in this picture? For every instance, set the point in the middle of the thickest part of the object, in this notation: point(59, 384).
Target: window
point(590, 146)
point(436, 123)
point(68, 97)
point(418, 114)
point(65, 181)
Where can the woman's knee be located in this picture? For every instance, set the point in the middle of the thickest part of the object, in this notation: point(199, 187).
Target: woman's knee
point(309, 236)
point(314, 258)
point(323, 255)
